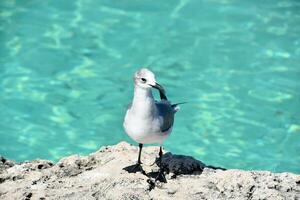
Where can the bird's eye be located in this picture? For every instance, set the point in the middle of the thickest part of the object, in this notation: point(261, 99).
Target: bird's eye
point(143, 80)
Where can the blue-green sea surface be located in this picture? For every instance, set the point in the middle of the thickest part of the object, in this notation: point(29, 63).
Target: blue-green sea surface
point(66, 72)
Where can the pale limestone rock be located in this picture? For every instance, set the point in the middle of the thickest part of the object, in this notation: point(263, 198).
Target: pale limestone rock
point(101, 176)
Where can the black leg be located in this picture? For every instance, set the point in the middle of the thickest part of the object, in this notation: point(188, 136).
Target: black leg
point(160, 154)
point(160, 151)
point(136, 167)
point(140, 153)
point(161, 176)
point(159, 157)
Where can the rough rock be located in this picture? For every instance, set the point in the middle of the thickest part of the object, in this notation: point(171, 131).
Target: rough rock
point(101, 176)
point(4, 163)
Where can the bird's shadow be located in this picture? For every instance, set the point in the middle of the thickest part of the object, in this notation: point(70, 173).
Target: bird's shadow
point(135, 168)
point(181, 165)
point(175, 165)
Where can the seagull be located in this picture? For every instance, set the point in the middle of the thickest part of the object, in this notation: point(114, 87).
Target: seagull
point(148, 121)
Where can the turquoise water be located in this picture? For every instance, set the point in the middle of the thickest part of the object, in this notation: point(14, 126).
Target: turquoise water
point(66, 77)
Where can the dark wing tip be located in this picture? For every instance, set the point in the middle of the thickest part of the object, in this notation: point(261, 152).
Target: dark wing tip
point(162, 96)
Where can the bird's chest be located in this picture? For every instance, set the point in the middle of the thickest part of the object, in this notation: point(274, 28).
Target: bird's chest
point(137, 124)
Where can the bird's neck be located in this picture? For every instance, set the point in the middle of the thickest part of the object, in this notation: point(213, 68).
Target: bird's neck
point(143, 100)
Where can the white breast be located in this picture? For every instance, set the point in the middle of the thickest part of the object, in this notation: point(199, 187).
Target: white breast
point(144, 130)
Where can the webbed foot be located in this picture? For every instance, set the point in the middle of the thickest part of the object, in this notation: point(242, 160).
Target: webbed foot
point(161, 176)
point(135, 168)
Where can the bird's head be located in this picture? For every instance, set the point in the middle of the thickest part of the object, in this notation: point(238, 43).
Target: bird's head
point(144, 78)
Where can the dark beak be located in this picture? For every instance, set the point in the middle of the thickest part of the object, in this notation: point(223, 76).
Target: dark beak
point(159, 87)
point(162, 92)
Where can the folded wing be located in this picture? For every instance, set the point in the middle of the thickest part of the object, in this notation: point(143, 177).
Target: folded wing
point(166, 113)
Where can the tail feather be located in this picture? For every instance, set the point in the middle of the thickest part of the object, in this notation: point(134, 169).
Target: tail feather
point(176, 106)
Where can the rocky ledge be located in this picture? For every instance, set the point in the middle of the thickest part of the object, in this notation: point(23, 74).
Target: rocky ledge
point(101, 176)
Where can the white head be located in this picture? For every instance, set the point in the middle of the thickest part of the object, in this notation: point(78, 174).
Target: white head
point(144, 78)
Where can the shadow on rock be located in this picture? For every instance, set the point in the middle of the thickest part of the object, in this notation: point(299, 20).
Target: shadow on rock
point(134, 168)
point(181, 164)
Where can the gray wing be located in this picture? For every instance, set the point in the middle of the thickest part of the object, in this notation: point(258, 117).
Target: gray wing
point(166, 112)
